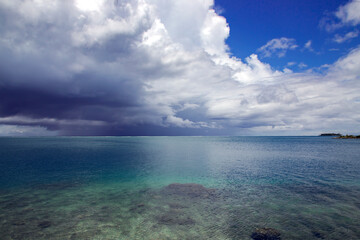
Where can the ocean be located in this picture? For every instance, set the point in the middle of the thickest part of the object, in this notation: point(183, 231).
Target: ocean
point(179, 188)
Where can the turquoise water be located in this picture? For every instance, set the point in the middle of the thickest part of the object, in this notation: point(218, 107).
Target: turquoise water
point(123, 187)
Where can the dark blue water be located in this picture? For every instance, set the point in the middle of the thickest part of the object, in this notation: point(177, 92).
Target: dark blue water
point(120, 187)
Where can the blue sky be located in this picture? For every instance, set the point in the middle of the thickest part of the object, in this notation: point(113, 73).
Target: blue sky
point(254, 23)
point(179, 67)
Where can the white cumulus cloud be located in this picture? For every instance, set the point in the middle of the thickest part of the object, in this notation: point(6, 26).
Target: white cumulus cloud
point(346, 15)
point(349, 13)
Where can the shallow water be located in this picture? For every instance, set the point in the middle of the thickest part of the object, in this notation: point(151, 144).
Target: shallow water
point(122, 187)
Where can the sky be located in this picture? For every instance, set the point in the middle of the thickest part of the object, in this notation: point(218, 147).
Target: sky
point(179, 67)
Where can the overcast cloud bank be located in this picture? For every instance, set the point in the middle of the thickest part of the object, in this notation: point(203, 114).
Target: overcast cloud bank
point(157, 67)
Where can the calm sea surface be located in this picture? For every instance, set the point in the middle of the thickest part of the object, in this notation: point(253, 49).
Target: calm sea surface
point(179, 187)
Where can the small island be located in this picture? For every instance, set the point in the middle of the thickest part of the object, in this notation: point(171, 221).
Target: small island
point(338, 135)
point(348, 136)
point(330, 135)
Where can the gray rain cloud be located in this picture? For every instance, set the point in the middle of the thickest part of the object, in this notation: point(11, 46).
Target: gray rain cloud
point(153, 67)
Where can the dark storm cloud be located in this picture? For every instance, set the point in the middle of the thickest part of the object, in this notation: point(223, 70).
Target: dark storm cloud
point(38, 104)
point(44, 76)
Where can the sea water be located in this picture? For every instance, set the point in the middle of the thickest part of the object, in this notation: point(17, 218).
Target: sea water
point(179, 187)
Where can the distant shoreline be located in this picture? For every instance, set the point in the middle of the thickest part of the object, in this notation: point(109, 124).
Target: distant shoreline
point(339, 136)
point(348, 136)
point(330, 135)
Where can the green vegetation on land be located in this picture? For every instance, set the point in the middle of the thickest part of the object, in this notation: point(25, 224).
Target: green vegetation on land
point(338, 135)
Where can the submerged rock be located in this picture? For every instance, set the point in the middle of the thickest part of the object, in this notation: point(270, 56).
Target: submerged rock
point(266, 234)
point(44, 224)
point(318, 235)
point(192, 190)
point(174, 218)
point(18, 223)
